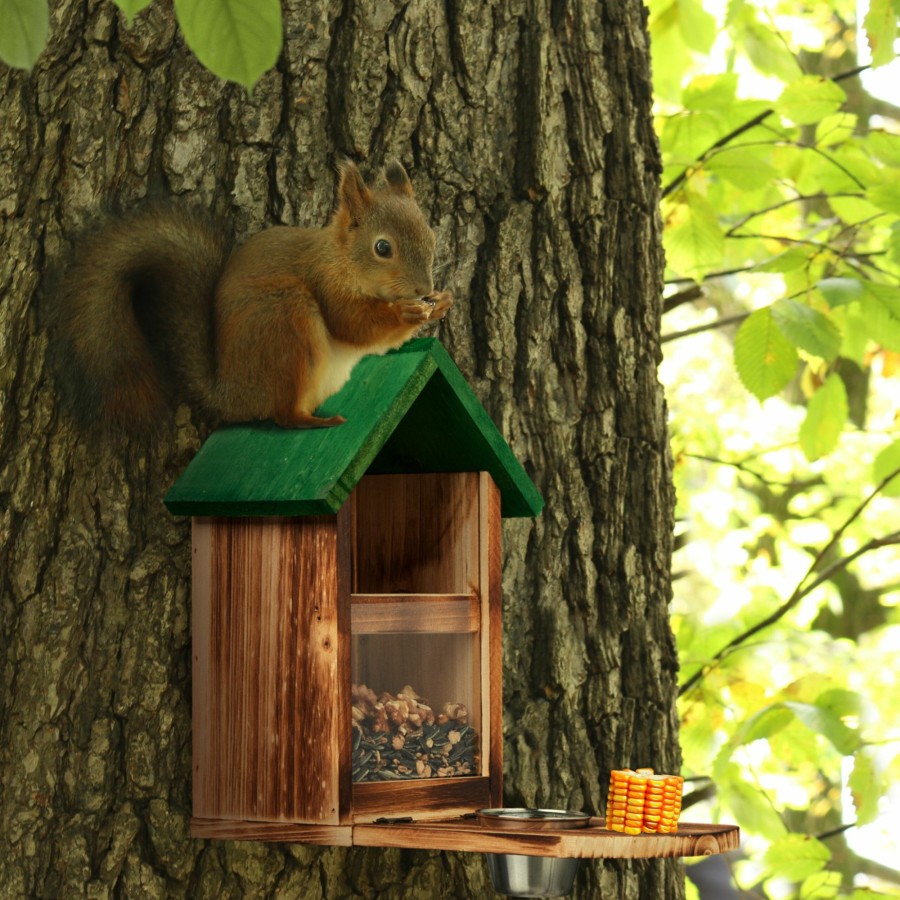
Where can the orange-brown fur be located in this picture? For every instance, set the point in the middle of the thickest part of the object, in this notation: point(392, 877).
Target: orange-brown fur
point(158, 306)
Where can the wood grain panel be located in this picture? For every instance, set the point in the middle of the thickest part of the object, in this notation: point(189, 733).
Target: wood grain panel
point(239, 830)
point(421, 799)
point(268, 727)
point(415, 613)
point(416, 534)
point(591, 842)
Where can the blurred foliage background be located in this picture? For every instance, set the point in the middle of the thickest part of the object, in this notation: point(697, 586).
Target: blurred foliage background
point(781, 200)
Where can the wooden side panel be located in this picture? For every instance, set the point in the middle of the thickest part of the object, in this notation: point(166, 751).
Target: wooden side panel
point(491, 575)
point(268, 707)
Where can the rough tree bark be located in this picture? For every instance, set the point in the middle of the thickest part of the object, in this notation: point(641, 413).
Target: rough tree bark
point(526, 125)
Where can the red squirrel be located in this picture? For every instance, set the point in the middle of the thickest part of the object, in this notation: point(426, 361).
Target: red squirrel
point(157, 304)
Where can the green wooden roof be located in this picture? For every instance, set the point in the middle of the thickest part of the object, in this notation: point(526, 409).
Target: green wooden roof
point(408, 411)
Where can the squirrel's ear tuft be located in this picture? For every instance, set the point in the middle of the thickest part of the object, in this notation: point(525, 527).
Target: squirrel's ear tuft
point(397, 179)
point(354, 198)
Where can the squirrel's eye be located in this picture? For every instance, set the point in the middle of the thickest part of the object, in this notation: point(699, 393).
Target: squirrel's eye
point(383, 248)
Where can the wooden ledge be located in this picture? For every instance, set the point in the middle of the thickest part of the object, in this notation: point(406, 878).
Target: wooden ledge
point(465, 834)
point(595, 841)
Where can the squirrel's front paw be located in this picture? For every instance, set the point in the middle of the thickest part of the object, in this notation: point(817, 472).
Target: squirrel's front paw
point(440, 302)
point(414, 312)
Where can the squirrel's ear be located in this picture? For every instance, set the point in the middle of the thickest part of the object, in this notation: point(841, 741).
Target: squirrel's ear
point(354, 197)
point(397, 179)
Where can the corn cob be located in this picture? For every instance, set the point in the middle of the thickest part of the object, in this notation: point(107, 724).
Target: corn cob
point(640, 801)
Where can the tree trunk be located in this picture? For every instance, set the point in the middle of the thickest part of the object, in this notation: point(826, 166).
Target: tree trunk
point(526, 126)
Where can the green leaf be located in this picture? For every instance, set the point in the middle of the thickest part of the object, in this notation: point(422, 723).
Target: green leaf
point(746, 167)
point(882, 325)
point(765, 48)
point(807, 328)
point(855, 340)
point(880, 26)
point(687, 136)
point(821, 886)
point(841, 291)
point(130, 8)
point(826, 416)
point(766, 361)
point(237, 40)
point(24, 31)
point(884, 146)
point(763, 724)
point(698, 27)
point(790, 260)
point(694, 241)
point(835, 129)
point(710, 92)
point(796, 856)
point(886, 196)
point(887, 461)
point(809, 99)
point(748, 804)
point(894, 243)
point(823, 721)
point(840, 702)
point(864, 788)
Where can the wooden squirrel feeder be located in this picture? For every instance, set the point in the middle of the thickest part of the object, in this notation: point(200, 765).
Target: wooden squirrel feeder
point(334, 566)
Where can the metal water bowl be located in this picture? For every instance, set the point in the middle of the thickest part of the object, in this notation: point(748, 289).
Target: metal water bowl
point(518, 875)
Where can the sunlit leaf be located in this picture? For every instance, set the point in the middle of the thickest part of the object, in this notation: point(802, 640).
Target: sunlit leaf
point(766, 360)
point(694, 240)
point(748, 804)
point(685, 138)
point(23, 33)
point(894, 244)
point(881, 324)
point(841, 291)
point(746, 167)
point(237, 40)
point(880, 27)
point(807, 328)
point(884, 146)
point(864, 787)
point(826, 416)
point(791, 260)
point(763, 724)
point(821, 886)
point(835, 128)
point(132, 7)
point(888, 461)
point(824, 722)
point(886, 196)
point(698, 27)
point(840, 702)
point(796, 856)
point(710, 91)
point(765, 49)
point(809, 99)
point(886, 294)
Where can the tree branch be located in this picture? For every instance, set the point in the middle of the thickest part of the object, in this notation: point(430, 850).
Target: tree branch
point(723, 141)
point(709, 326)
point(804, 586)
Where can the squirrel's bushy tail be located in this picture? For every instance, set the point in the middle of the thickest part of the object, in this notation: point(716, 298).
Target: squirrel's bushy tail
point(135, 316)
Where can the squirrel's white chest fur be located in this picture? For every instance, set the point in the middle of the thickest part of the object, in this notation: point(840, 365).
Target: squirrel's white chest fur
point(337, 365)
